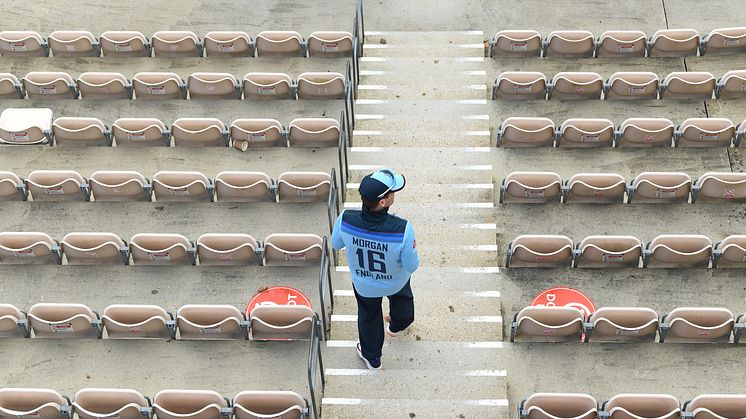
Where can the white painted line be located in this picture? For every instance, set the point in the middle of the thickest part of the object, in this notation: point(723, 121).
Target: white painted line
point(462, 33)
point(342, 400)
point(473, 186)
point(375, 46)
point(366, 132)
point(372, 59)
point(374, 87)
point(373, 33)
point(484, 117)
point(353, 205)
point(366, 149)
point(341, 343)
point(371, 101)
point(475, 59)
point(343, 269)
point(365, 166)
point(477, 87)
point(470, 73)
point(482, 167)
point(353, 185)
point(472, 101)
point(366, 116)
point(481, 270)
point(344, 317)
point(480, 247)
point(479, 294)
point(480, 345)
point(487, 402)
point(355, 402)
point(484, 226)
point(478, 319)
point(344, 293)
point(477, 133)
point(475, 46)
point(485, 373)
point(356, 372)
point(475, 205)
point(374, 72)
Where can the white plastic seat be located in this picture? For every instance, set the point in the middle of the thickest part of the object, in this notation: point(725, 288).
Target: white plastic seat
point(559, 406)
point(292, 249)
point(80, 131)
point(705, 132)
point(689, 85)
point(262, 404)
point(94, 249)
point(586, 133)
point(199, 132)
point(124, 44)
point(228, 44)
point(622, 324)
point(520, 85)
point(321, 85)
point(11, 87)
point(303, 186)
point(124, 185)
point(674, 43)
point(153, 86)
point(57, 185)
point(731, 85)
point(526, 132)
point(279, 43)
point(731, 252)
point(28, 248)
point(22, 44)
point(632, 85)
point(621, 44)
point(161, 249)
point(547, 324)
point(539, 251)
point(239, 186)
point(595, 188)
point(576, 85)
point(281, 322)
point(182, 186)
point(258, 132)
point(660, 187)
point(136, 321)
point(209, 322)
point(609, 252)
point(569, 44)
point(643, 406)
point(49, 85)
point(645, 132)
point(73, 44)
point(330, 44)
point(100, 403)
point(226, 249)
point(26, 126)
point(12, 187)
point(724, 41)
point(267, 86)
point(697, 325)
point(678, 251)
point(531, 188)
point(100, 85)
point(135, 132)
point(720, 187)
point(36, 402)
point(213, 86)
point(176, 44)
point(713, 406)
point(52, 320)
point(314, 132)
point(188, 404)
point(13, 324)
point(517, 43)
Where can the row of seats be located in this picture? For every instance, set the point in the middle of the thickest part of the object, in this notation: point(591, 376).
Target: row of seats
point(664, 251)
point(625, 324)
point(168, 85)
point(606, 188)
point(176, 44)
point(690, 85)
point(618, 43)
point(633, 132)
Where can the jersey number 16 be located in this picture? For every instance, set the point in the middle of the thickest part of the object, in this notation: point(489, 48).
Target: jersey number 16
point(376, 260)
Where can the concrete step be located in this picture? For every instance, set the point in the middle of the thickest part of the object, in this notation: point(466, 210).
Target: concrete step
point(428, 158)
point(429, 172)
point(422, 107)
point(398, 408)
point(429, 89)
point(473, 49)
point(391, 121)
point(423, 38)
point(437, 74)
point(429, 303)
point(429, 193)
point(444, 139)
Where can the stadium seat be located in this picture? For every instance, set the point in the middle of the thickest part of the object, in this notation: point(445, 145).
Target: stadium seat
point(258, 132)
point(23, 44)
point(621, 44)
point(158, 86)
point(569, 44)
point(608, 252)
point(49, 85)
point(539, 251)
point(97, 403)
point(281, 322)
point(731, 85)
point(259, 404)
point(176, 44)
point(13, 324)
point(687, 85)
point(292, 249)
point(673, 43)
point(279, 43)
point(547, 324)
point(134, 132)
point(236, 186)
point(189, 404)
point(26, 126)
point(97, 85)
point(80, 131)
point(586, 133)
point(575, 85)
point(622, 324)
point(678, 251)
point(724, 41)
point(138, 321)
point(531, 188)
point(314, 132)
point(730, 252)
point(595, 188)
point(558, 406)
point(632, 85)
point(520, 85)
point(226, 249)
point(517, 43)
point(321, 85)
point(660, 187)
point(29, 248)
point(182, 186)
point(720, 186)
point(73, 44)
point(645, 132)
point(228, 44)
point(124, 44)
point(213, 86)
point(199, 132)
point(697, 325)
point(710, 406)
point(53, 320)
point(526, 132)
point(268, 86)
point(642, 406)
point(161, 249)
point(210, 322)
point(57, 185)
point(11, 87)
point(36, 402)
point(303, 186)
point(330, 44)
point(124, 185)
point(12, 187)
point(705, 132)
point(94, 249)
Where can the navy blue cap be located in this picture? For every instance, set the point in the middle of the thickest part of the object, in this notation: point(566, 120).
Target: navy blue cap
point(378, 184)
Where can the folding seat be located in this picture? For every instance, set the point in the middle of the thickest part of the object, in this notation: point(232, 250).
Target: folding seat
point(710, 406)
point(520, 85)
point(94, 249)
point(531, 188)
point(49, 85)
point(199, 132)
point(124, 185)
point(176, 44)
point(34, 402)
point(724, 41)
point(124, 44)
point(622, 324)
point(182, 186)
point(134, 132)
point(673, 43)
point(243, 187)
point(292, 249)
point(516, 43)
point(210, 322)
point(547, 324)
point(621, 44)
point(575, 85)
point(189, 404)
point(288, 322)
point(645, 132)
point(11, 87)
point(595, 188)
point(226, 249)
point(586, 133)
point(688, 85)
point(80, 131)
point(213, 86)
point(321, 85)
point(731, 85)
point(314, 132)
point(730, 252)
point(228, 44)
point(259, 404)
point(258, 132)
point(569, 44)
point(697, 325)
point(540, 251)
point(608, 252)
point(660, 187)
point(642, 406)
point(720, 186)
point(330, 44)
point(281, 43)
point(161, 249)
point(558, 406)
point(98, 85)
point(54, 320)
point(23, 44)
point(705, 132)
point(678, 251)
point(138, 321)
point(303, 187)
point(26, 126)
point(73, 44)
point(268, 86)
point(98, 403)
point(12, 187)
point(158, 86)
point(29, 248)
point(632, 85)
point(526, 132)
point(57, 185)
point(13, 323)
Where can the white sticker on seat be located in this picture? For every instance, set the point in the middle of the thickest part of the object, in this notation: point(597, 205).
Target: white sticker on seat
point(589, 138)
point(54, 190)
point(156, 90)
point(265, 90)
point(612, 258)
point(159, 256)
point(210, 330)
point(330, 46)
point(708, 136)
point(258, 136)
point(730, 42)
point(522, 89)
point(625, 48)
point(123, 47)
point(637, 90)
point(226, 47)
point(136, 136)
point(624, 332)
point(26, 253)
point(18, 46)
point(47, 90)
point(19, 136)
point(295, 256)
point(179, 191)
point(533, 193)
point(70, 48)
point(62, 328)
point(518, 46)
point(665, 193)
point(306, 192)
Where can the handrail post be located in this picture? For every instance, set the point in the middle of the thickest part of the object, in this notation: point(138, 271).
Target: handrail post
point(314, 359)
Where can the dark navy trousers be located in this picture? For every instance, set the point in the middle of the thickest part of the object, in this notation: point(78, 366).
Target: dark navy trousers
point(370, 318)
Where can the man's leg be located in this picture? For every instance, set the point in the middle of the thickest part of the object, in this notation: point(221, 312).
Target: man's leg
point(401, 309)
point(369, 325)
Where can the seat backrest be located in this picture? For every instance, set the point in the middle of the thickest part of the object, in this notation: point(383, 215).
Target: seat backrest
point(199, 132)
point(280, 322)
point(9, 184)
point(176, 44)
point(132, 132)
point(314, 132)
point(596, 188)
point(262, 404)
point(98, 403)
point(609, 252)
point(621, 44)
point(181, 186)
point(725, 41)
point(576, 85)
point(329, 44)
point(209, 322)
point(10, 315)
point(292, 249)
point(679, 251)
point(721, 186)
point(73, 44)
point(321, 85)
point(699, 324)
point(226, 249)
point(228, 44)
point(540, 251)
point(586, 132)
point(560, 405)
point(53, 320)
point(49, 85)
point(80, 131)
point(548, 324)
point(674, 43)
point(632, 85)
point(25, 125)
point(521, 85)
point(731, 85)
point(123, 185)
point(303, 186)
point(93, 249)
point(531, 187)
point(282, 43)
point(10, 87)
point(661, 187)
point(569, 44)
point(158, 86)
point(56, 185)
point(517, 43)
point(267, 86)
point(22, 44)
point(526, 132)
point(733, 251)
point(36, 402)
point(623, 324)
point(692, 85)
point(124, 321)
point(212, 86)
point(100, 85)
point(646, 132)
point(161, 249)
point(626, 406)
point(258, 132)
point(706, 132)
point(28, 248)
point(237, 186)
point(124, 44)
point(715, 406)
point(188, 404)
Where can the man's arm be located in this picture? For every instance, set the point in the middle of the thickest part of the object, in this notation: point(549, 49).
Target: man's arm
point(410, 259)
point(337, 242)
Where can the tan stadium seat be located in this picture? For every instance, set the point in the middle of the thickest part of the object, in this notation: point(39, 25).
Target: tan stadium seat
point(609, 252)
point(321, 85)
point(697, 324)
point(22, 44)
point(622, 324)
point(176, 44)
point(210, 322)
point(660, 187)
point(158, 86)
point(621, 44)
point(80, 131)
point(531, 188)
point(330, 44)
point(645, 132)
point(688, 85)
point(49, 85)
point(73, 44)
point(714, 406)
point(134, 132)
point(189, 404)
point(547, 324)
point(526, 132)
point(576, 85)
point(182, 186)
point(586, 133)
point(13, 323)
point(94, 249)
point(720, 186)
point(228, 44)
point(98, 85)
point(124, 321)
point(34, 402)
point(532, 251)
point(57, 185)
point(11, 87)
point(642, 406)
point(116, 185)
point(706, 132)
point(161, 249)
point(26, 126)
point(267, 86)
point(53, 320)
point(100, 403)
point(516, 43)
point(12, 187)
point(678, 251)
point(731, 252)
point(28, 249)
point(213, 86)
point(314, 132)
point(236, 186)
point(199, 132)
point(674, 43)
point(632, 85)
point(292, 249)
point(124, 44)
point(569, 44)
point(594, 188)
point(226, 249)
point(303, 186)
point(724, 41)
point(281, 322)
point(731, 85)
point(258, 132)
point(559, 406)
point(520, 85)
point(281, 43)
point(262, 404)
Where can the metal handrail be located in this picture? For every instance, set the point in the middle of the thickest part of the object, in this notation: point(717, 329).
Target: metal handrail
point(344, 169)
point(314, 354)
point(325, 286)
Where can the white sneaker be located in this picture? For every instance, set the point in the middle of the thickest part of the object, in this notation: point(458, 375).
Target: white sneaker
point(374, 364)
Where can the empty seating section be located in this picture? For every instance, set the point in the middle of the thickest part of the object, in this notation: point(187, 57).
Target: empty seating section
point(73, 44)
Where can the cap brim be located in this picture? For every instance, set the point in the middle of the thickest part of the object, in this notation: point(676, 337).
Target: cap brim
point(399, 183)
